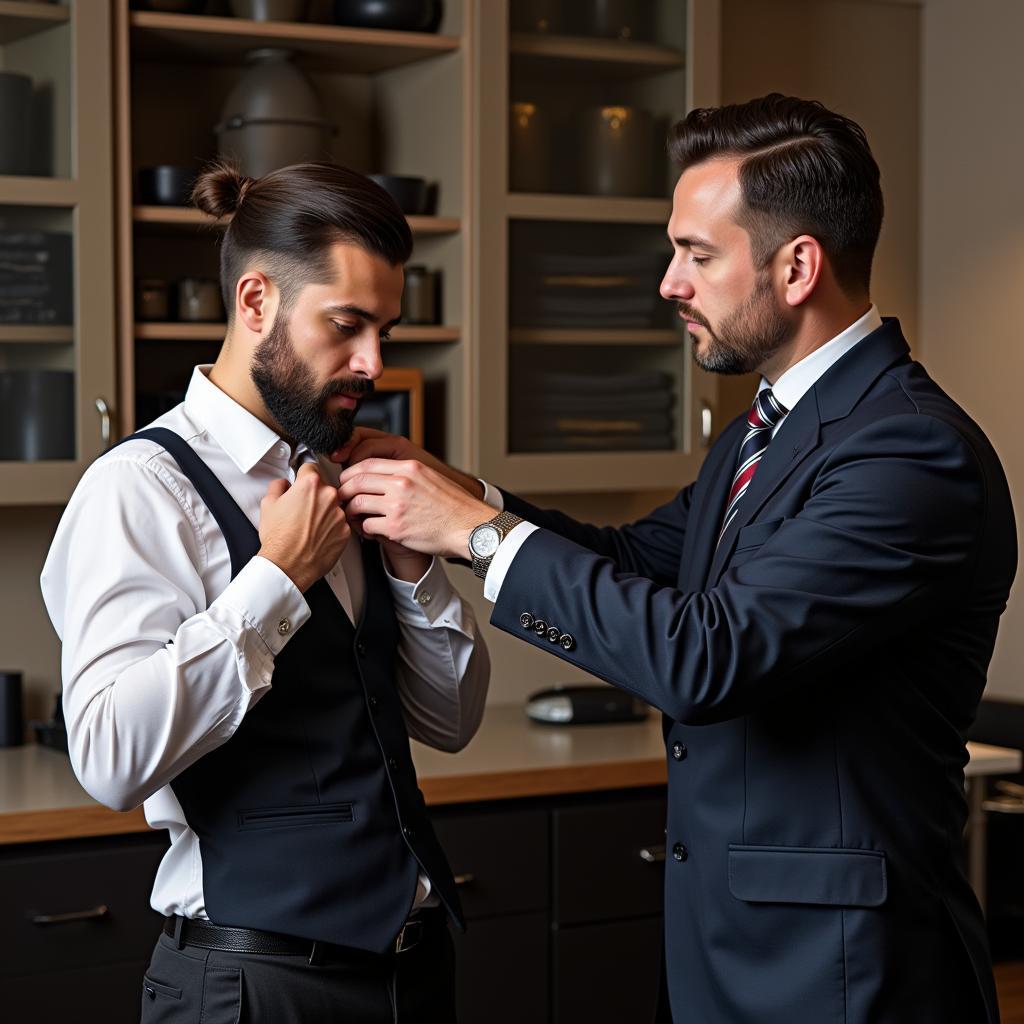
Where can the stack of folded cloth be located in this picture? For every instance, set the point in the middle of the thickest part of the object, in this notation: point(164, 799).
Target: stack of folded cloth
point(563, 412)
point(558, 290)
point(35, 277)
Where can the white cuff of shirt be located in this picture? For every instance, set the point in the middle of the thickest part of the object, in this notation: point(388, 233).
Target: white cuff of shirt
point(507, 550)
point(492, 496)
point(425, 600)
point(264, 596)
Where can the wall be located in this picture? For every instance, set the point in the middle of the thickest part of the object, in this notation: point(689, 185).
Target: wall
point(972, 240)
point(861, 58)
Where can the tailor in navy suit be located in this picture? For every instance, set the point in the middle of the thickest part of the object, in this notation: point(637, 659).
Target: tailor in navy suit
point(817, 673)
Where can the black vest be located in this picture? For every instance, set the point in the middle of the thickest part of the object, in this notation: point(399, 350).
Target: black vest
point(309, 818)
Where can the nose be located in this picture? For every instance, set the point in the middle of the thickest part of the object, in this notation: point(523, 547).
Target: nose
point(366, 360)
point(675, 285)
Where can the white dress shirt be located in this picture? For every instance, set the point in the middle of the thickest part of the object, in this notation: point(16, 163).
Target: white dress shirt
point(788, 389)
point(163, 653)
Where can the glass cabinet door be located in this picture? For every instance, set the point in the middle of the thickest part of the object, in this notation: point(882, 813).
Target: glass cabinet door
point(56, 247)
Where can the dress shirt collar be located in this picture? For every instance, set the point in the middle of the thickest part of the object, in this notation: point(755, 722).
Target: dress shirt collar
point(802, 376)
point(246, 439)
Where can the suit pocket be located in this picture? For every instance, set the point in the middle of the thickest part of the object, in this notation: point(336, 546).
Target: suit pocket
point(822, 876)
point(754, 535)
point(294, 817)
point(181, 987)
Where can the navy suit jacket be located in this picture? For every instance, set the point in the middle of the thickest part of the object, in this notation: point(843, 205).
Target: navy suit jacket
point(817, 672)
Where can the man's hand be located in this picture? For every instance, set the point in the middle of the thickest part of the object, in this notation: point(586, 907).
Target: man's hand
point(412, 504)
point(375, 444)
point(303, 531)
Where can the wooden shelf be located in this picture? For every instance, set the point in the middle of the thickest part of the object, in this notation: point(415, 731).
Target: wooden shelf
point(595, 336)
point(198, 38)
point(36, 334)
point(176, 218)
point(29, 190)
point(539, 206)
point(215, 332)
point(611, 58)
point(19, 19)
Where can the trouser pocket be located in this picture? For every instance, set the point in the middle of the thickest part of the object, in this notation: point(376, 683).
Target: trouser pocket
point(180, 987)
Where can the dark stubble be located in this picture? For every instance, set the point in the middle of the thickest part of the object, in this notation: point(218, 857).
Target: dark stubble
point(295, 400)
point(748, 337)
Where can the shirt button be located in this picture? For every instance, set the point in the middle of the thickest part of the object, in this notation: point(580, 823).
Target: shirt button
point(282, 451)
point(679, 852)
point(284, 627)
point(424, 597)
point(678, 751)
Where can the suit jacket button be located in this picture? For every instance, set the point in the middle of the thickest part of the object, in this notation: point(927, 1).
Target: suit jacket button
point(568, 641)
point(678, 750)
point(526, 620)
point(540, 627)
point(554, 634)
point(679, 852)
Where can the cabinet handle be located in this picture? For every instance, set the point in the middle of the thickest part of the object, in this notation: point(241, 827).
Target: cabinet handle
point(706, 424)
point(75, 915)
point(653, 854)
point(104, 410)
point(465, 879)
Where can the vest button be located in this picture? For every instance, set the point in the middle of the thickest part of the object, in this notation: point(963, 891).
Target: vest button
point(679, 750)
point(392, 763)
point(361, 649)
point(410, 832)
point(372, 702)
point(679, 852)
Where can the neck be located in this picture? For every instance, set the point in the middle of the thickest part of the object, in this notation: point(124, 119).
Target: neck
point(230, 373)
point(816, 327)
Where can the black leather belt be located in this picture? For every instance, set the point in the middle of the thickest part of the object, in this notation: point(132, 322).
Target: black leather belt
point(229, 939)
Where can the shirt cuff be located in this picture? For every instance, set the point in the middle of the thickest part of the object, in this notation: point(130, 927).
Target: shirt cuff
point(426, 599)
point(502, 560)
point(493, 497)
point(265, 597)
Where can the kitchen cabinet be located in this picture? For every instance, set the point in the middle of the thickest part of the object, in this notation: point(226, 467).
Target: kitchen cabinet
point(561, 896)
point(56, 251)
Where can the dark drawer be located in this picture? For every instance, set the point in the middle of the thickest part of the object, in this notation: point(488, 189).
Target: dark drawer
point(77, 878)
point(111, 994)
point(601, 871)
point(499, 860)
point(606, 973)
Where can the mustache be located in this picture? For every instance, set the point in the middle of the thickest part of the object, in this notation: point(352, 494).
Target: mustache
point(355, 387)
point(691, 314)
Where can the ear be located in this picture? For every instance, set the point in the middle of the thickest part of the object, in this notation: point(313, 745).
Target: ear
point(255, 301)
point(802, 262)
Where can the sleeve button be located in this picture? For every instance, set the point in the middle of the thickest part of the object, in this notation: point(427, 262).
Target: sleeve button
point(284, 627)
point(567, 641)
point(540, 627)
point(526, 620)
point(554, 634)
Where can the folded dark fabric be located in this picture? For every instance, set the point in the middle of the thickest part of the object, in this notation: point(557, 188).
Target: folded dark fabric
point(592, 442)
point(633, 403)
point(614, 424)
point(603, 383)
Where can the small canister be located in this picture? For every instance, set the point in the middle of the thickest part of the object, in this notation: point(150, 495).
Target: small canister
point(419, 299)
point(616, 151)
point(152, 299)
point(528, 149)
point(199, 300)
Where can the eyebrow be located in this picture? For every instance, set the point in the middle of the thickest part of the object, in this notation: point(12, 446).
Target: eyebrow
point(695, 243)
point(363, 314)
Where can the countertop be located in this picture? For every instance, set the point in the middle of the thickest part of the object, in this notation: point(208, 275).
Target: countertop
point(510, 757)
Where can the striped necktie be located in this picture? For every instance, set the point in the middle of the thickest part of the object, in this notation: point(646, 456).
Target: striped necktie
point(764, 414)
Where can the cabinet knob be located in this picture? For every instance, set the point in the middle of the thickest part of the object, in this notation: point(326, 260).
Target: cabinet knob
point(75, 915)
point(653, 854)
point(104, 410)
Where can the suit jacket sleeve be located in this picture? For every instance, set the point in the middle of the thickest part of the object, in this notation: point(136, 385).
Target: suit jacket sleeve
point(651, 547)
point(888, 531)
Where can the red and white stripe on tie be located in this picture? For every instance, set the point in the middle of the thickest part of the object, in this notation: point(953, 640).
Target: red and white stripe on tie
point(765, 412)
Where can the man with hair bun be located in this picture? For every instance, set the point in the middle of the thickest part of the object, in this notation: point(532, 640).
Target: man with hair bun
point(243, 665)
point(814, 615)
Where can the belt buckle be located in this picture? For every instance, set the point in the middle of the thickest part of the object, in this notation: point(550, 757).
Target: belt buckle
point(409, 935)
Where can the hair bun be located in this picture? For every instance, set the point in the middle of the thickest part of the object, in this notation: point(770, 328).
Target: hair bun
point(220, 189)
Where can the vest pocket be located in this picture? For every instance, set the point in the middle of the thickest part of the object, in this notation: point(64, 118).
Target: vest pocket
point(294, 817)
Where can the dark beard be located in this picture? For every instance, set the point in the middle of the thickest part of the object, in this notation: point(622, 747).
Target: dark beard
point(291, 395)
point(747, 338)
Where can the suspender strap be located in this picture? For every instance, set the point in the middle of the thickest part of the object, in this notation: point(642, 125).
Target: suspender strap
point(241, 536)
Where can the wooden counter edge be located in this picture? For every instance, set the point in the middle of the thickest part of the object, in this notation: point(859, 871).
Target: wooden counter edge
point(96, 820)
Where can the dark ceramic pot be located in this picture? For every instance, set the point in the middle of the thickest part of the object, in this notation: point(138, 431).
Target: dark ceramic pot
point(405, 15)
point(166, 185)
point(410, 193)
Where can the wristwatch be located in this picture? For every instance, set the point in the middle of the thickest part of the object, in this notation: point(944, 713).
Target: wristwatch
point(485, 538)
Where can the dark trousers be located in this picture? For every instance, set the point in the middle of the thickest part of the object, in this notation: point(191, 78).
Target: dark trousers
point(201, 986)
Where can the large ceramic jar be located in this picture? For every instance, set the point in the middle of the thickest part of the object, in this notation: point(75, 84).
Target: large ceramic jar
point(272, 117)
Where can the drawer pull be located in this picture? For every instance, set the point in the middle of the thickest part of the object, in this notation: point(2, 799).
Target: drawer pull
point(465, 879)
point(653, 854)
point(75, 915)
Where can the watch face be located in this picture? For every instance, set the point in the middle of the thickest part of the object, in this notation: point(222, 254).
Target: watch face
point(484, 541)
